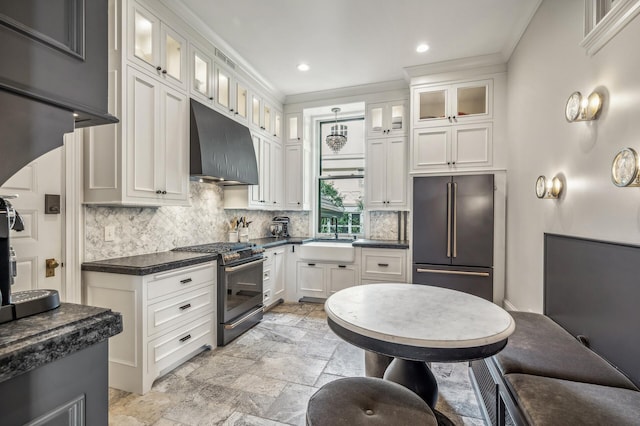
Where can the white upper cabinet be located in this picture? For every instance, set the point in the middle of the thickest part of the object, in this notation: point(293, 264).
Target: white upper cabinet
point(452, 104)
point(293, 127)
point(202, 84)
point(386, 173)
point(232, 96)
point(452, 147)
point(387, 119)
point(265, 118)
point(297, 182)
point(156, 47)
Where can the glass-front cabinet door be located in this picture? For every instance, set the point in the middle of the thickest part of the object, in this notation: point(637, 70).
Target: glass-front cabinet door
point(144, 37)
point(294, 127)
point(266, 118)
point(452, 104)
point(242, 102)
point(256, 109)
point(201, 75)
point(277, 124)
point(156, 47)
point(223, 89)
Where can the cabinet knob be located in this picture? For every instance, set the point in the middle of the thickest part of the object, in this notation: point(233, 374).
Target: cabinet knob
point(211, 98)
point(231, 110)
point(453, 162)
point(298, 138)
point(236, 112)
point(164, 192)
point(448, 163)
point(158, 192)
point(164, 71)
point(298, 202)
point(158, 68)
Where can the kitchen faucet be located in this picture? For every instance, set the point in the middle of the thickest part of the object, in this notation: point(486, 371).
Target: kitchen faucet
point(334, 220)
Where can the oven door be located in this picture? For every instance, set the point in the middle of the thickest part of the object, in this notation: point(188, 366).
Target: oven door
point(240, 289)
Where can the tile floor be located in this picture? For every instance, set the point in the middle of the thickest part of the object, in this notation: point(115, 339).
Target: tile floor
point(265, 378)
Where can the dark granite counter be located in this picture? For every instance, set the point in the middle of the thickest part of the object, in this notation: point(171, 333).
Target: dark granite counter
point(146, 264)
point(31, 342)
point(271, 242)
point(392, 244)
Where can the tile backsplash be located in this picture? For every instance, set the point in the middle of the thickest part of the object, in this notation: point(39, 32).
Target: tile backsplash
point(384, 225)
point(141, 230)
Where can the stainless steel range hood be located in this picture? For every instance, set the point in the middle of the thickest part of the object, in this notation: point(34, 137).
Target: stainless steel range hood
point(221, 148)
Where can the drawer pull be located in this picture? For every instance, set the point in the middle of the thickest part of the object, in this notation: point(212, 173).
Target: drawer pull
point(311, 264)
point(186, 281)
point(187, 306)
point(383, 265)
point(185, 338)
point(342, 266)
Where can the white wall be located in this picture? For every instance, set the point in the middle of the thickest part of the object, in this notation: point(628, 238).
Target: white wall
point(546, 67)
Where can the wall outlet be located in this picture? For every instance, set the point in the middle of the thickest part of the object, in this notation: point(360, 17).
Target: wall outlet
point(109, 233)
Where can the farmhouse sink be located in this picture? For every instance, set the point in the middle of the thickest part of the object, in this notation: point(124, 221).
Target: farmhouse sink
point(328, 251)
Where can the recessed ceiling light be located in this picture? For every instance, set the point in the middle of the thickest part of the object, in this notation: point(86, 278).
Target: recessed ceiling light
point(422, 48)
point(303, 67)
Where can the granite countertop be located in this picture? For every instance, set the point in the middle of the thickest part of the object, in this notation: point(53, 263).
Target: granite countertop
point(270, 242)
point(31, 342)
point(146, 264)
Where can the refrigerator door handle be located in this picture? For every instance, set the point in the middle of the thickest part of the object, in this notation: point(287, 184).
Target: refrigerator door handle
point(455, 219)
point(448, 219)
point(440, 271)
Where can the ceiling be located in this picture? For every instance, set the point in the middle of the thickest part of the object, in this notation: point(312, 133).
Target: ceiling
point(355, 42)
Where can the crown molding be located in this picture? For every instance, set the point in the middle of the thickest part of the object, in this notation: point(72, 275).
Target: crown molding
point(185, 13)
point(346, 92)
point(456, 69)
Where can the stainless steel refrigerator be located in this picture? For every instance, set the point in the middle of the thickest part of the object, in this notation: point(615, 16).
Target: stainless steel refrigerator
point(453, 233)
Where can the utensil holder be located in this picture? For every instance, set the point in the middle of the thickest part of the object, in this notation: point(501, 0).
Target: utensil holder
point(243, 235)
point(232, 236)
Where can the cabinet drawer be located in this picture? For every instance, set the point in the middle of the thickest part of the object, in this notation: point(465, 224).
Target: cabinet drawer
point(384, 264)
point(267, 297)
point(174, 310)
point(268, 255)
point(167, 350)
point(180, 279)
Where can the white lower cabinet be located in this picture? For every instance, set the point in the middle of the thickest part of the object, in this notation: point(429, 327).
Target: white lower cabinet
point(384, 265)
point(321, 280)
point(274, 275)
point(167, 318)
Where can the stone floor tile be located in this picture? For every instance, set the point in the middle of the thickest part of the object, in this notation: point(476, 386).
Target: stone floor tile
point(326, 378)
point(221, 369)
point(347, 361)
point(243, 419)
point(291, 406)
point(259, 384)
point(289, 368)
point(147, 408)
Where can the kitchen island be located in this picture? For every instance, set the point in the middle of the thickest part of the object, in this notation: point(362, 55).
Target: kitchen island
point(53, 366)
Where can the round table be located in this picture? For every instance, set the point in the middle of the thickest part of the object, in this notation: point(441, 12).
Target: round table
point(417, 324)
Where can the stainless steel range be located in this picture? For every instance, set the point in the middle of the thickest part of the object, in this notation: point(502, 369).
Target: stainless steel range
point(239, 286)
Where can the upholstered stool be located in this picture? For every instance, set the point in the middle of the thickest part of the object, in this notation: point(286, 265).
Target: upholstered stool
point(358, 401)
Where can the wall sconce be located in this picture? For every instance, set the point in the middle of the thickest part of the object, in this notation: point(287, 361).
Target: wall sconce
point(548, 188)
point(583, 109)
point(625, 170)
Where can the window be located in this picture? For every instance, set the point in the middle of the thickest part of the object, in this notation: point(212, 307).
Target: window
point(341, 180)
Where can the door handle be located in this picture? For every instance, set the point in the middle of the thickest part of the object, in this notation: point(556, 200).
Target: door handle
point(445, 272)
point(455, 219)
point(448, 219)
point(51, 265)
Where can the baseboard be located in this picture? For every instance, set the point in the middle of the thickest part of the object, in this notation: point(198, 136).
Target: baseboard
point(509, 306)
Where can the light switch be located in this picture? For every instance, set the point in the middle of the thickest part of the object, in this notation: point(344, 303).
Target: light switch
point(109, 233)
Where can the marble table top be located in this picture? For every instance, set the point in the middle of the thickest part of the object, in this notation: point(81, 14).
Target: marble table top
point(419, 315)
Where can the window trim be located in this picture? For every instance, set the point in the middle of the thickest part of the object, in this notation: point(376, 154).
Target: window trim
point(599, 30)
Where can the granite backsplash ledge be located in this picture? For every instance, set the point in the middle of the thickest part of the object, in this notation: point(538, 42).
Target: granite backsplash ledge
point(142, 230)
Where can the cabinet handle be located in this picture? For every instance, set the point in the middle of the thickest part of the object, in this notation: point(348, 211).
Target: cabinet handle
point(183, 307)
point(383, 265)
point(311, 264)
point(185, 338)
point(342, 266)
point(440, 271)
point(186, 281)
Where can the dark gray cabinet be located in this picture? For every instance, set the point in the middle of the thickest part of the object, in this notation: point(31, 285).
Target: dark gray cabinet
point(55, 51)
point(453, 224)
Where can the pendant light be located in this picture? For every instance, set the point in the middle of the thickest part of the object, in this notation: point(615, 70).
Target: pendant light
point(338, 136)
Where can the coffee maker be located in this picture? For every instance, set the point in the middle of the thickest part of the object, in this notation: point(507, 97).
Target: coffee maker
point(23, 303)
point(281, 224)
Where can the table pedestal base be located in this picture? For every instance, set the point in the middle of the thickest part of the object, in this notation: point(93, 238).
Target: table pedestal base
point(416, 376)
